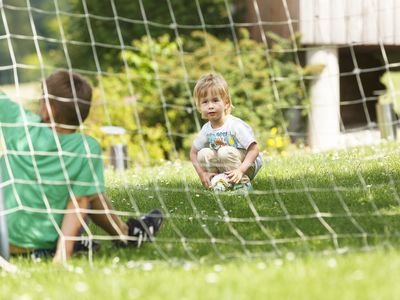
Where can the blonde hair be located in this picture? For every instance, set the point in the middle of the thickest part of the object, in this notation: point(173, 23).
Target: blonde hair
point(217, 85)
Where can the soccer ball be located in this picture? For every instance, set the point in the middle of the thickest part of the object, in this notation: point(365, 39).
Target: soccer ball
point(220, 183)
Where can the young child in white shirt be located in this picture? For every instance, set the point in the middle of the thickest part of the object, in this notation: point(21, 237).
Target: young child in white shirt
point(225, 144)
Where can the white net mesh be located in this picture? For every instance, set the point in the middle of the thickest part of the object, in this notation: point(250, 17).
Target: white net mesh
point(313, 91)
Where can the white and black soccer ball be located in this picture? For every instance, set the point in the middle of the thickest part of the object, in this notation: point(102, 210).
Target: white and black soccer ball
point(220, 183)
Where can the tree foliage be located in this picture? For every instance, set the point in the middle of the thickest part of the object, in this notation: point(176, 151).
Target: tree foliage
point(114, 26)
point(22, 22)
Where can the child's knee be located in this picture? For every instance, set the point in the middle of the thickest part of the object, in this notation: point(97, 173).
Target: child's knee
point(228, 154)
point(206, 155)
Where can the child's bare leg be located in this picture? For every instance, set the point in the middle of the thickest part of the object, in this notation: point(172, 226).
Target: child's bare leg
point(208, 160)
point(107, 220)
point(134, 231)
point(72, 223)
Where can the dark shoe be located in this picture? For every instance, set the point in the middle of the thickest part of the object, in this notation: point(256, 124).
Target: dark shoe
point(85, 245)
point(39, 254)
point(145, 228)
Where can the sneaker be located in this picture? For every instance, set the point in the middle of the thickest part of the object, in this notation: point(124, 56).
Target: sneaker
point(85, 245)
point(242, 186)
point(146, 228)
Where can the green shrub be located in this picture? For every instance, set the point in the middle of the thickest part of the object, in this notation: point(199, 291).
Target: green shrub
point(152, 96)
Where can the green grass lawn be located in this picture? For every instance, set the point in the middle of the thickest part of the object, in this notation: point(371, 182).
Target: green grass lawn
point(351, 276)
point(315, 226)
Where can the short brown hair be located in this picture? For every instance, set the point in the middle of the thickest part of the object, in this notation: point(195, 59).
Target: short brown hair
point(218, 86)
point(67, 104)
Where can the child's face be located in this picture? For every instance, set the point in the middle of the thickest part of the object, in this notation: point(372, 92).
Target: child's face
point(213, 108)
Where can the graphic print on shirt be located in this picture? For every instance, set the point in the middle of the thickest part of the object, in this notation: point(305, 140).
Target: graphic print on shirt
point(223, 138)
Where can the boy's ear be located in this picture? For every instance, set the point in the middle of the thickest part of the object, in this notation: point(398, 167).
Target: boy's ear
point(45, 114)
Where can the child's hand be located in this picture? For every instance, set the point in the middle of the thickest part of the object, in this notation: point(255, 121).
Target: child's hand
point(206, 179)
point(234, 175)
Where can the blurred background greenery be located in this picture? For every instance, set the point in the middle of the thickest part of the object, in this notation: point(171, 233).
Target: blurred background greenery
point(144, 68)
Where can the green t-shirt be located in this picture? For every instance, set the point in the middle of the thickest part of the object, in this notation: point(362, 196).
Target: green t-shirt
point(40, 172)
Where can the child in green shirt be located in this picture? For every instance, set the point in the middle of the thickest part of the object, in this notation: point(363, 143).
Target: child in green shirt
point(53, 176)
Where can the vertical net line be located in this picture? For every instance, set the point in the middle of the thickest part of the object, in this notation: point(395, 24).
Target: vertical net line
point(183, 239)
point(364, 234)
point(73, 198)
point(237, 50)
point(9, 171)
point(224, 211)
point(137, 118)
point(105, 102)
point(318, 213)
point(307, 190)
point(343, 204)
point(25, 124)
point(357, 71)
point(276, 97)
point(56, 138)
point(308, 108)
point(304, 182)
point(38, 52)
point(392, 96)
point(366, 187)
point(157, 78)
point(238, 53)
point(87, 150)
point(198, 217)
point(249, 100)
point(174, 25)
point(16, 81)
point(95, 56)
point(204, 30)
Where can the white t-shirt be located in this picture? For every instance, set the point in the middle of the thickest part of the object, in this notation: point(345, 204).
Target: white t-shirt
point(235, 132)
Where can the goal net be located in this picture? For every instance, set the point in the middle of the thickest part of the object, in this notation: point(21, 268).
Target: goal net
point(316, 80)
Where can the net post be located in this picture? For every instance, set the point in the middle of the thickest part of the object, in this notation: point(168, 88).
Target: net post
point(324, 118)
point(118, 151)
point(4, 250)
point(118, 157)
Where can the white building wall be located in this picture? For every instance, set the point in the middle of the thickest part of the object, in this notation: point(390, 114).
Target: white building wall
point(368, 22)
